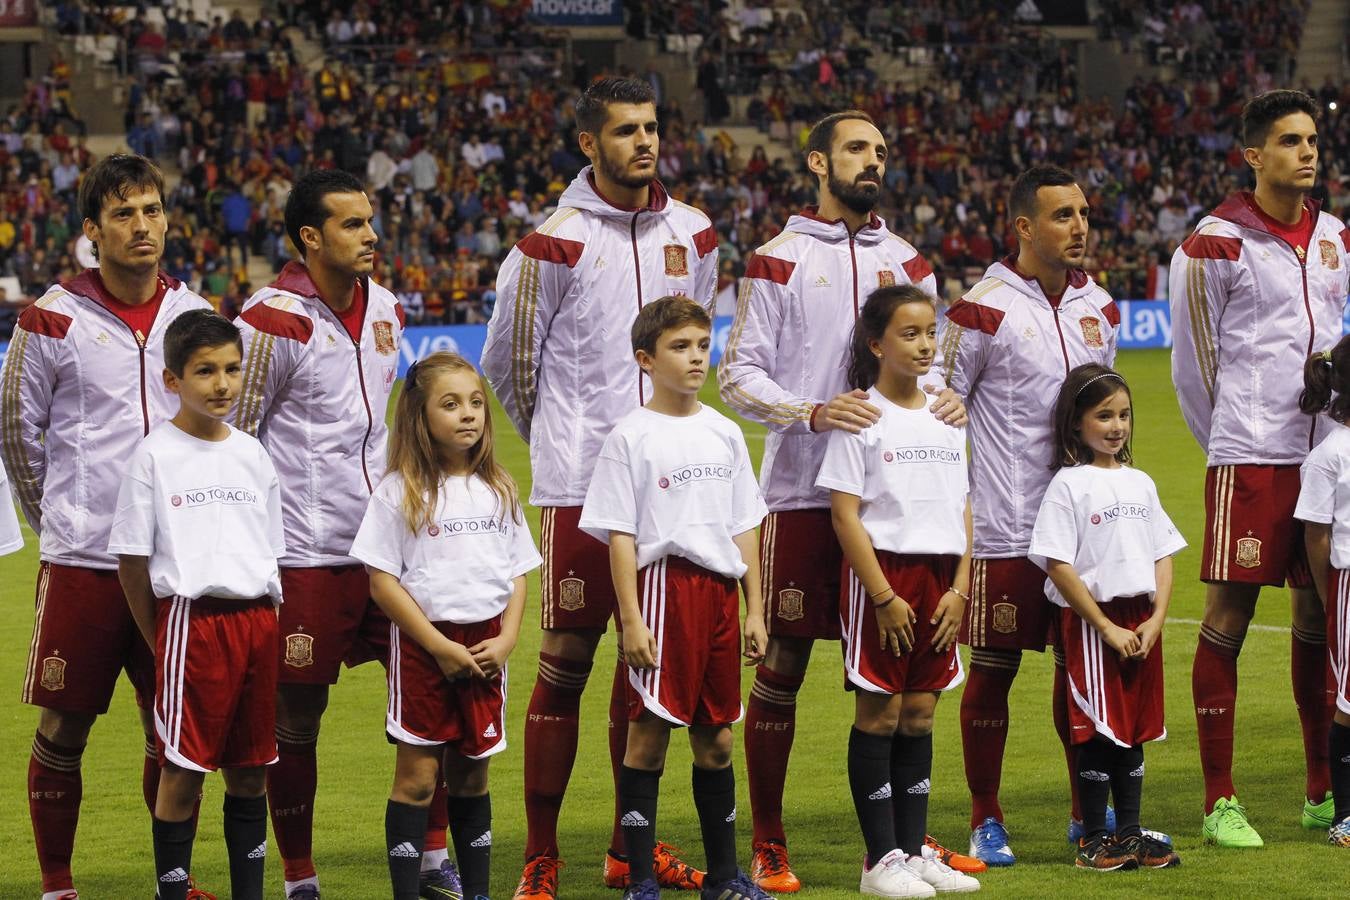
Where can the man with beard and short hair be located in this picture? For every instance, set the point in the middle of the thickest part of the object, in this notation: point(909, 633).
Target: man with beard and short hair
point(784, 366)
point(557, 356)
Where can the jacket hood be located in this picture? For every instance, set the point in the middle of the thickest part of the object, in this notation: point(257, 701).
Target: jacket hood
point(1237, 208)
point(582, 194)
point(294, 278)
point(1006, 270)
point(808, 222)
point(89, 283)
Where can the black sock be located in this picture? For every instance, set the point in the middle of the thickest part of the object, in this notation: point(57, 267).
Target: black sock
point(869, 779)
point(1094, 784)
point(173, 857)
point(1340, 769)
point(715, 800)
point(405, 829)
point(246, 844)
point(1127, 787)
point(911, 780)
point(638, 790)
point(471, 832)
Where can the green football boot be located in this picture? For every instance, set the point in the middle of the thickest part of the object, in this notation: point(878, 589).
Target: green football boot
point(1227, 825)
point(1320, 816)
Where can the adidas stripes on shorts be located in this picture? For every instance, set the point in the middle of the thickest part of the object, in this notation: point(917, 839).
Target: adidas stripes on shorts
point(1120, 699)
point(1338, 638)
point(427, 709)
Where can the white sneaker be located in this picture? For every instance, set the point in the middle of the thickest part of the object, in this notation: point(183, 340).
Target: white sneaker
point(941, 876)
point(891, 877)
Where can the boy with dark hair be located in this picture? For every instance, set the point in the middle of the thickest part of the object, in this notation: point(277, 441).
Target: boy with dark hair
point(198, 532)
point(674, 496)
point(88, 349)
point(1258, 288)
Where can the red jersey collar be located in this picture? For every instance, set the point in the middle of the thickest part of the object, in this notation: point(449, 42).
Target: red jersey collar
point(89, 283)
point(1076, 278)
point(1241, 209)
point(657, 198)
point(813, 213)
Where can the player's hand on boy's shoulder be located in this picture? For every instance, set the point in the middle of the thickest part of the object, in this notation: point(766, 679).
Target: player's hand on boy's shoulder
point(639, 646)
point(895, 624)
point(456, 661)
point(949, 407)
point(756, 637)
point(849, 412)
point(947, 620)
point(491, 654)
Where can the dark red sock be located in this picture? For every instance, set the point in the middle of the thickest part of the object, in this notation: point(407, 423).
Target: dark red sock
point(984, 727)
point(770, 726)
point(291, 785)
point(1059, 703)
point(54, 792)
point(618, 746)
point(1308, 668)
point(438, 817)
point(1214, 690)
point(550, 748)
point(150, 776)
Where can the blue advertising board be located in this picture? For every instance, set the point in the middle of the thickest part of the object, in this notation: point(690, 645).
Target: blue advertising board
point(565, 13)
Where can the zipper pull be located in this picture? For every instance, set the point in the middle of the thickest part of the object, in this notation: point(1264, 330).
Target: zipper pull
point(1300, 253)
point(140, 339)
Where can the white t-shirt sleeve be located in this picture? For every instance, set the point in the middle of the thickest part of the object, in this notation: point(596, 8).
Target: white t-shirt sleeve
point(1055, 535)
point(844, 467)
point(379, 540)
point(133, 528)
point(1317, 496)
point(611, 501)
point(524, 554)
point(747, 504)
point(1167, 540)
point(11, 538)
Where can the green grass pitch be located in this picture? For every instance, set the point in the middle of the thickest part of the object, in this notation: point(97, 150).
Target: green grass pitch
point(113, 855)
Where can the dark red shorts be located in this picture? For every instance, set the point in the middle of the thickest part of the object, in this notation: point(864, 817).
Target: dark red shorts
point(83, 636)
point(1251, 535)
point(1122, 700)
point(328, 619)
point(801, 562)
point(920, 581)
point(694, 615)
point(1338, 639)
point(1007, 608)
point(576, 588)
point(427, 709)
point(216, 683)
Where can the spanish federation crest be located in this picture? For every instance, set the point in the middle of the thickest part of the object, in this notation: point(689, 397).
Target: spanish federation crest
point(677, 260)
point(571, 594)
point(384, 337)
point(53, 674)
point(790, 605)
point(1092, 331)
point(1330, 258)
point(1005, 618)
point(299, 650)
point(885, 278)
point(1248, 552)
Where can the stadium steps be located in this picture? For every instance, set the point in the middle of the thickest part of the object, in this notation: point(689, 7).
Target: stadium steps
point(1325, 32)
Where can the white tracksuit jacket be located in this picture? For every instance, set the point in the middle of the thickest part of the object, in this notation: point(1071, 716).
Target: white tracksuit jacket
point(1007, 351)
point(558, 352)
point(1246, 315)
point(80, 390)
point(789, 345)
point(317, 401)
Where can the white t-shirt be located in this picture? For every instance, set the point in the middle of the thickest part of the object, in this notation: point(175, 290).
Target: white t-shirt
point(207, 513)
point(460, 568)
point(682, 485)
point(11, 539)
point(1324, 497)
point(1107, 523)
point(909, 470)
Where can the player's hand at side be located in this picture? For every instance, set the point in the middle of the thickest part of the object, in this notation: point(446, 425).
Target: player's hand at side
point(1148, 633)
point(491, 654)
point(895, 622)
point(849, 412)
point(1121, 640)
point(456, 661)
point(949, 407)
point(756, 638)
point(947, 620)
point(639, 647)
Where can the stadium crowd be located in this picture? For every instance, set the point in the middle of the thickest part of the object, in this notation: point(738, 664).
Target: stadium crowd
point(462, 133)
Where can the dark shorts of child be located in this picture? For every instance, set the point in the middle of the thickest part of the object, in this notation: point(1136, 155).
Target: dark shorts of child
point(1338, 638)
point(576, 588)
point(1007, 608)
point(920, 580)
point(328, 619)
point(694, 615)
point(216, 683)
point(427, 709)
point(801, 557)
point(1251, 535)
point(1122, 700)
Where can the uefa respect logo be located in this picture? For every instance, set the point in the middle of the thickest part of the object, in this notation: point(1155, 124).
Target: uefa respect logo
point(216, 494)
point(694, 472)
point(922, 455)
point(1121, 511)
point(467, 526)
